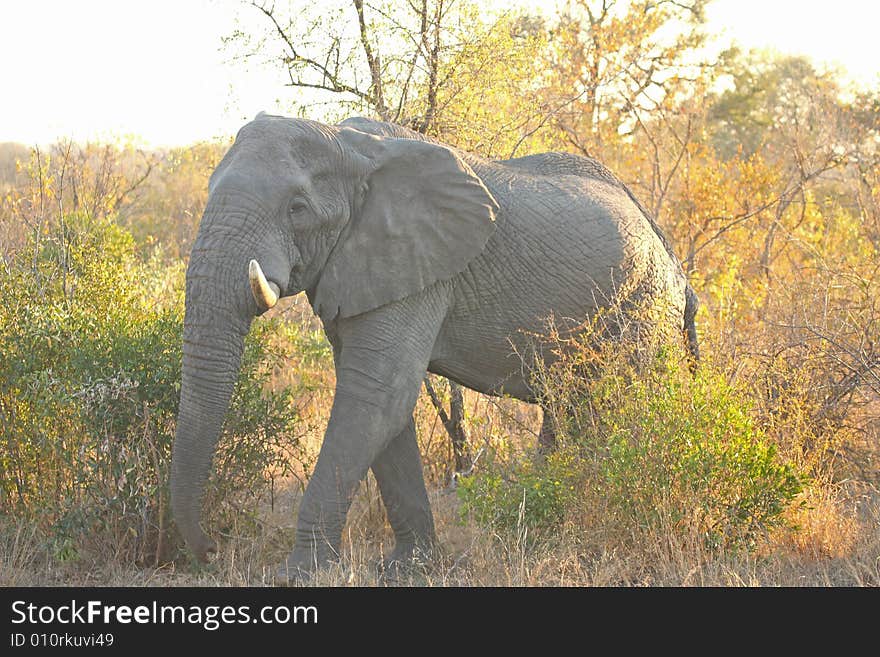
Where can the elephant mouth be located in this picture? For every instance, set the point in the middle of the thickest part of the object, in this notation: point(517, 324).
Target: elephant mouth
point(297, 273)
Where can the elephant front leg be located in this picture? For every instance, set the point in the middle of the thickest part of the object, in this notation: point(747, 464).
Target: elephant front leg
point(398, 471)
point(356, 433)
point(323, 510)
point(381, 358)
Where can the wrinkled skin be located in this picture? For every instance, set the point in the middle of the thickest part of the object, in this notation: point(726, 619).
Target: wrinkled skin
point(416, 257)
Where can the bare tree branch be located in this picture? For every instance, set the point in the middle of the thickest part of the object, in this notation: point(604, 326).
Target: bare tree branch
point(374, 61)
point(331, 80)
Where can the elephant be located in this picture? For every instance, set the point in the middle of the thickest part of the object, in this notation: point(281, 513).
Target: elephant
point(417, 257)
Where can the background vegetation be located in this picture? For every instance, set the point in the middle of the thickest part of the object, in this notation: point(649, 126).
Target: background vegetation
point(764, 173)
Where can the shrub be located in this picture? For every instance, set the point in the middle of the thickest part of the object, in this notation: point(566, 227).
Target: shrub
point(686, 453)
point(89, 384)
point(535, 495)
point(650, 448)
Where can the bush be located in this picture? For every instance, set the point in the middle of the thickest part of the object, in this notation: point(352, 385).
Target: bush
point(686, 453)
point(535, 495)
point(90, 361)
point(642, 450)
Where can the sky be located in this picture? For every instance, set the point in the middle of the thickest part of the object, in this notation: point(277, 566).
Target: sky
point(156, 73)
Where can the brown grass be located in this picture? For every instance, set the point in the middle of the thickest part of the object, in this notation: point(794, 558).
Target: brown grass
point(473, 557)
point(834, 541)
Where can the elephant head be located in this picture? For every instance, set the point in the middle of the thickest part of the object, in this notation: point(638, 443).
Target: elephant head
point(356, 220)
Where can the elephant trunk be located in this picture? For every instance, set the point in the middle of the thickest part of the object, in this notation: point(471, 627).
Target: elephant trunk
point(206, 388)
point(219, 310)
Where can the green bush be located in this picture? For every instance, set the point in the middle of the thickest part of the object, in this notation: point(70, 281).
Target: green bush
point(685, 453)
point(535, 495)
point(90, 340)
point(648, 449)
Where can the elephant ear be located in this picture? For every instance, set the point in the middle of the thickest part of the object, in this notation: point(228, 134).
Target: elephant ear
point(420, 216)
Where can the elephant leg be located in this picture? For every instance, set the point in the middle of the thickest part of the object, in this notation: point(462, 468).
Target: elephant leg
point(547, 435)
point(398, 470)
point(381, 361)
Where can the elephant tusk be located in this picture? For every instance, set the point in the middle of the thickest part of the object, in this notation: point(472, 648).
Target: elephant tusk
point(265, 292)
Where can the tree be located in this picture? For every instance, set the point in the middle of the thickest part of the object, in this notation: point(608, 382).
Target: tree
point(621, 58)
point(359, 58)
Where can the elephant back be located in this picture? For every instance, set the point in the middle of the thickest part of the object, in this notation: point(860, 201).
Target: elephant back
point(568, 164)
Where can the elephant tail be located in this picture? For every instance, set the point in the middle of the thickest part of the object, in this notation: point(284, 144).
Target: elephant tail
point(691, 304)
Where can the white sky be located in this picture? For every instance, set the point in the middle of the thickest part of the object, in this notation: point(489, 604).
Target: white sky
point(155, 70)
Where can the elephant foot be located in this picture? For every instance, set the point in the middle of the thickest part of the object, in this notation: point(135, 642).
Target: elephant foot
point(301, 565)
point(291, 574)
point(406, 563)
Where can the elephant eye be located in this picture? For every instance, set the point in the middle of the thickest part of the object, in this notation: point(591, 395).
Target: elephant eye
point(297, 207)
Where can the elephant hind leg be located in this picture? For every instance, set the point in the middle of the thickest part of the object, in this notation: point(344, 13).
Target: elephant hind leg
point(398, 471)
point(547, 434)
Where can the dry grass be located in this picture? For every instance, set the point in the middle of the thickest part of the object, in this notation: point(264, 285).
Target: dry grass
point(473, 557)
point(835, 542)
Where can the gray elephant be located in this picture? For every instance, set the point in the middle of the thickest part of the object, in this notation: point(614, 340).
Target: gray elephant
point(416, 257)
